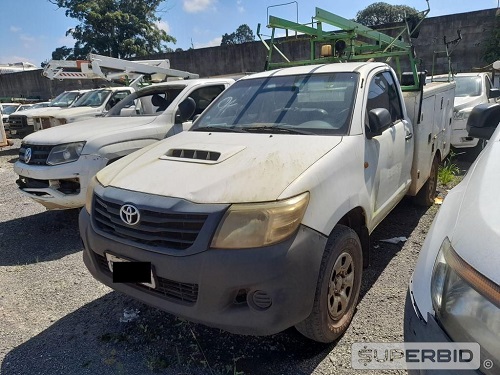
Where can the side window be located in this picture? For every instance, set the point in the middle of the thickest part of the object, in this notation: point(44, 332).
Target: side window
point(116, 98)
point(383, 93)
point(204, 96)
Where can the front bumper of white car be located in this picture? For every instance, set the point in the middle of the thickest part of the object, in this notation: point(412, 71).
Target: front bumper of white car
point(62, 186)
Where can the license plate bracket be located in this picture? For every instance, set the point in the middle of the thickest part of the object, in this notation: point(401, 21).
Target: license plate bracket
point(111, 258)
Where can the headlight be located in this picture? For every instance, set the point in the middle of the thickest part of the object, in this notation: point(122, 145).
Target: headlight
point(467, 304)
point(65, 153)
point(461, 115)
point(260, 224)
point(90, 193)
point(30, 121)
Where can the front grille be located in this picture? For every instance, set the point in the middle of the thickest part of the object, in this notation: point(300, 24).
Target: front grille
point(39, 154)
point(18, 122)
point(160, 229)
point(169, 289)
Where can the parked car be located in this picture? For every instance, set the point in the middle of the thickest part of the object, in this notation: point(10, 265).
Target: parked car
point(7, 109)
point(22, 124)
point(94, 103)
point(258, 218)
point(472, 89)
point(454, 293)
point(55, 165)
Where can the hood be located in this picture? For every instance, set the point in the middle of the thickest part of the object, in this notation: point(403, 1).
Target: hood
point(243, 167)
point(77, 111)
point(462, 102)
point(49, 111)
point(86, 130)
point(477, 231)
point(34, 111)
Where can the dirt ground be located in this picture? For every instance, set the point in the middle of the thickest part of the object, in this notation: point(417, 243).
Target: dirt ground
point(56, 319)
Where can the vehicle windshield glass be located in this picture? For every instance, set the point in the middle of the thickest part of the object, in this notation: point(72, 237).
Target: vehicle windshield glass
point(8, 109)
point(92, 98)
point(295, 104)
point(468, 86)
point(147, 102)
point(65, 99)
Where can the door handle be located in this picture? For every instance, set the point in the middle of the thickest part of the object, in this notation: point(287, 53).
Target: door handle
point(408, 136)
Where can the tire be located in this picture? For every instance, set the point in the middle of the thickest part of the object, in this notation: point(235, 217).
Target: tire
point(335, 302)
point(427, 193)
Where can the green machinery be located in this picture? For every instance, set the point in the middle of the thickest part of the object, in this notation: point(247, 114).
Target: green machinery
point(353, 42)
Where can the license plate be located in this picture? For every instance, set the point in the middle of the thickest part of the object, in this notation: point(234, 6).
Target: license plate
point(113, 258)
point(13, 132)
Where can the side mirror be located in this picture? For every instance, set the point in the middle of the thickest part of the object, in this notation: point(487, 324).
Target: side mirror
point(379, 119)
point(483, 120)
point(494, 93)
point(185, 111)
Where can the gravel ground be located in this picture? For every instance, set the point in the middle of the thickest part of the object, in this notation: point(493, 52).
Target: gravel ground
point(56, 319)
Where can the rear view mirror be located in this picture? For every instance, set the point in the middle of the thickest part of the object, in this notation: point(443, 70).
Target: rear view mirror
point(483, 120)
point(185, 111)
point(379, 119)
point(494, 93)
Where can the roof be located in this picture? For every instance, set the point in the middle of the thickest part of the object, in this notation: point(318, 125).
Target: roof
point(309, 69)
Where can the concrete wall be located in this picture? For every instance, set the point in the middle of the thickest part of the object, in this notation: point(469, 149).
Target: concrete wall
point(32, 84)
point(475, 27)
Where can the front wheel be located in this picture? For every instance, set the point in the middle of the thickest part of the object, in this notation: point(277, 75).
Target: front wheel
point(338, 286)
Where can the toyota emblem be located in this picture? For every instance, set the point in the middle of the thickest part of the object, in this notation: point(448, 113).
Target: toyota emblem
point(130, 214)
point(27, 155)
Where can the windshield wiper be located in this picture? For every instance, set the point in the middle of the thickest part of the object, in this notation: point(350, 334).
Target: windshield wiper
point(276, 129)
point(216, 128)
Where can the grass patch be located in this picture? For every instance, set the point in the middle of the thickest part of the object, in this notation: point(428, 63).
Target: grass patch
point(448, 171)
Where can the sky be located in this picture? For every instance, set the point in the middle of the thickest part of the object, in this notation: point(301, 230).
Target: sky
point(31, 29)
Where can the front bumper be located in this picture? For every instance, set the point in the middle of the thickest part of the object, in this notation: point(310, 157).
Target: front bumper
point(229, 285)
point(417, 330)
point(460, 138)
point(62, 186)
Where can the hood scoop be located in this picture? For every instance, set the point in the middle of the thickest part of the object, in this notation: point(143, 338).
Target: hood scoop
point(202, 153)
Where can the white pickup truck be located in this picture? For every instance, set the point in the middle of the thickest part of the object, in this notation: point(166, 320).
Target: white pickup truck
point(94, 103)
point(472, 89)
point(259, 217)
point(23, 123)
point(55, 165)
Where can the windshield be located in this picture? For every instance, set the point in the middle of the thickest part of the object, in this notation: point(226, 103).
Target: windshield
point(93, 98)
point(65, 99)
point(468, 86)
point(150, 102)
point(9, 108)
point(298, 104)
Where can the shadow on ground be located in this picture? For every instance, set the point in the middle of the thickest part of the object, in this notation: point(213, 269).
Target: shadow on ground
point(41, 237)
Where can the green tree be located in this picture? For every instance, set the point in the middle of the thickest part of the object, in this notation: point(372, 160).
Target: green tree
point(242, 34)
point(62, 53)
point(117, 28)
point(381, 13)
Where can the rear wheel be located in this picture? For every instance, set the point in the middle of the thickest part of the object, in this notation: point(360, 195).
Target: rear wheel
point(427, 193)
point(338, 286)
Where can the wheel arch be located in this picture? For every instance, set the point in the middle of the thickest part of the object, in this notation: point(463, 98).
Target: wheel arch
point(356, 220)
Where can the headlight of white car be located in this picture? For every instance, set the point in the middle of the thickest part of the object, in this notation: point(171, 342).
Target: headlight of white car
point(90, 193)
point(65, 153)
point(467, 304)
point(30, 121)
point(260, 224)
point(462, 115)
